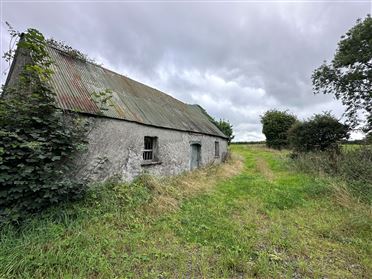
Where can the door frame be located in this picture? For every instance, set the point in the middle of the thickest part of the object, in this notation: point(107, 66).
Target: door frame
point(197, 143)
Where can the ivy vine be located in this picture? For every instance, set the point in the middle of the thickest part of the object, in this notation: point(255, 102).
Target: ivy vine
point(74, 53)
point(37, 139)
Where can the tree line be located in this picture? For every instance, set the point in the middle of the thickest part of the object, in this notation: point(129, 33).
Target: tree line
point(319, 133)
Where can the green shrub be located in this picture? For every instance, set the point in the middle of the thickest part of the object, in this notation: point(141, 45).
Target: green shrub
point(368, 138)
point(37, 140)
point(275, 126)
point(225, 128)
point(224, 125)
point(321, 132)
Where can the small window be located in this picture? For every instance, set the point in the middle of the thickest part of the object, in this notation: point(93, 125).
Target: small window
point(216, 149)
point(150, 150)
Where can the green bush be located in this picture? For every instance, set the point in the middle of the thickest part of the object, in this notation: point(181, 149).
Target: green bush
point(225, 128)
point(368, 138)
point(275, 126)
point(37, 140)
point(321, 132)
point(224, 125)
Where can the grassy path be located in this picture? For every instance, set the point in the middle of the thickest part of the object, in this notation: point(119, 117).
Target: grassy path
point(268, 222)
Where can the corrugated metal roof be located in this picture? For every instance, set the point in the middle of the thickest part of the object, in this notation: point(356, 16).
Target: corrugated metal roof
point(75, 82)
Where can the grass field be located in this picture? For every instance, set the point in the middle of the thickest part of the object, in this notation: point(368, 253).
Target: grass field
point(252, 217)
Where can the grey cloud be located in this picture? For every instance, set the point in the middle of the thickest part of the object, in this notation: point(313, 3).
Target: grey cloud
point(237, 60)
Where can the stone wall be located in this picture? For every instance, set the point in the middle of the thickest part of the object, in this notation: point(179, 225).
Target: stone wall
point(115, 149)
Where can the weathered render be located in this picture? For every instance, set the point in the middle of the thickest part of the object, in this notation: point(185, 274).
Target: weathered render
point(116, 149)
point(138, 129)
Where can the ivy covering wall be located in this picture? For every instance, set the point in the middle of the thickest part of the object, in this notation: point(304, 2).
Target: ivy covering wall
point(37, 140)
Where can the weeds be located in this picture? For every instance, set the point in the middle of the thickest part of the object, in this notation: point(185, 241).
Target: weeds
point(227, 221)
point(351, 165)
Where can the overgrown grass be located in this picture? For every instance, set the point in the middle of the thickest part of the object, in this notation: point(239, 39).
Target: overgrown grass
point(259, 218)
point(352, 167)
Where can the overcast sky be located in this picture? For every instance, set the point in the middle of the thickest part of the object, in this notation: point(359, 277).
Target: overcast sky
point(237, 60)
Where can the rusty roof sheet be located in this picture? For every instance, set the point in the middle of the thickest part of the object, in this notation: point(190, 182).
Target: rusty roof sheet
point(75, 82)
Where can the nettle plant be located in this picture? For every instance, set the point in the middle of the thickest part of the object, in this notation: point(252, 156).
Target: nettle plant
point(37, 139)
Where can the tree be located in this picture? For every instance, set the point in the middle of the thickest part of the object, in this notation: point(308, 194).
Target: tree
point(349, 75)
point(275, 125)
point(224, 125)
point(225, 128)
point(368, 139)
point(319, 133)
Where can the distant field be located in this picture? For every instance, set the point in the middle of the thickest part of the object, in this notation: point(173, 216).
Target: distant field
point(252, 217)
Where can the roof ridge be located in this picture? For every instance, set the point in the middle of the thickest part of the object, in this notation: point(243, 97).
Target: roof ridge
point(134, 101)
point(116, 73)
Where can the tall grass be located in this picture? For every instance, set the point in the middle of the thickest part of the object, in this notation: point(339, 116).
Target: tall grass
point(350, 165)
point(111, 231)
point(244, 219)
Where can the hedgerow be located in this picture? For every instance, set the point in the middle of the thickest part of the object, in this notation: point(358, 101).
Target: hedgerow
point(319, 133)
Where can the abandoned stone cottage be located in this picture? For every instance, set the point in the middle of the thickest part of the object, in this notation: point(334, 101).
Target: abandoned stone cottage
point(141, 129)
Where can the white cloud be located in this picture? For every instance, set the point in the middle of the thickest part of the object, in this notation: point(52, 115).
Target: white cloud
point(237, 60)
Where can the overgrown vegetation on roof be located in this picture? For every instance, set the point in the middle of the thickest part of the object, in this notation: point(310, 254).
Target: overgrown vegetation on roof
point(74, 53)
